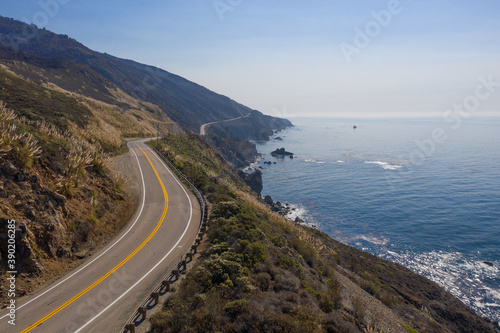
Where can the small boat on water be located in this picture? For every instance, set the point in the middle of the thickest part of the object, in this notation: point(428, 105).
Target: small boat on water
point(355, 127)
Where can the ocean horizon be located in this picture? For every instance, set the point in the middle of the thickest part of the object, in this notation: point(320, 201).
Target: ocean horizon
point(424, 193)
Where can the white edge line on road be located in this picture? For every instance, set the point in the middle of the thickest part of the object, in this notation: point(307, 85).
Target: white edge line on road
point(82, 268)
point(159, 262)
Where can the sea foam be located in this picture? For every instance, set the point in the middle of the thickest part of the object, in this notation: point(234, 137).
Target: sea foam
point(385, 165)
point(314, 161)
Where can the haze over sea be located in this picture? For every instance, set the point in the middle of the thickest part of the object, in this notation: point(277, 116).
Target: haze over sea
point(386, 189)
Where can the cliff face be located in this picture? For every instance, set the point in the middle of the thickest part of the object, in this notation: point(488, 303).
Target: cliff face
point(256, 127)
point(254, 181)
point(238, 152)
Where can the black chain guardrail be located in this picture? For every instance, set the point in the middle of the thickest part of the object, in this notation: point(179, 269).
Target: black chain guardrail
point(164, 286)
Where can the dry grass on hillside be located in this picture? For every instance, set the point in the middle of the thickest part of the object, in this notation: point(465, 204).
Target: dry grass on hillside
point(55, 180)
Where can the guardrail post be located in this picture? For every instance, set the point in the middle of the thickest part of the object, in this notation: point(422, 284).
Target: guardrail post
point(194, 248)
point(156, 297)
point(130, 328)
point(142, 311)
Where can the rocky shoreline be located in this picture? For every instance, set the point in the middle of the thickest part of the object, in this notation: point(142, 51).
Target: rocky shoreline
point(254, 180)
point(286, 210)
point(282, 209)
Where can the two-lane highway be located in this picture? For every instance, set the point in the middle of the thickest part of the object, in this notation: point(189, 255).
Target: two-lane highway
point(203, 128)
point(106, 289)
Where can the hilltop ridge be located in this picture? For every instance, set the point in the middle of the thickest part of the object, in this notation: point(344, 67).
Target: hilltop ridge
point(188, 104)
point(64, 117)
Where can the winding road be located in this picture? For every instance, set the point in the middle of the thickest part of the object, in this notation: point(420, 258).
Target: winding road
point(203, 128)
point(106, 289)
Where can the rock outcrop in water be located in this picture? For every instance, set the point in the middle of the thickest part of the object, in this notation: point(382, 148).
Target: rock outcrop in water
point(281, 152)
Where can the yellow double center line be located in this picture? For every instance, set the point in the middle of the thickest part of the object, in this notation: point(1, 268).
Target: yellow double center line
point(105, 276)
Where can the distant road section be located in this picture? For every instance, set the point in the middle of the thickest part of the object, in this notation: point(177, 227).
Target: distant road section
point(204, 126)
point(105, 290)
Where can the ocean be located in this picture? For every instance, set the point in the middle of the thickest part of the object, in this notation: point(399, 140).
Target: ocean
point(422, 193)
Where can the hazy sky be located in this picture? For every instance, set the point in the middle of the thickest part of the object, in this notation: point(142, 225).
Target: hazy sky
point(290, 58)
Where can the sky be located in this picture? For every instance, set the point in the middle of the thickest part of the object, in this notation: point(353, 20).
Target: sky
point(336, 58)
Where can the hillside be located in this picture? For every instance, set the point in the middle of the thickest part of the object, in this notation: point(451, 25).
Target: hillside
point(65, 114)
point(63, 119)
point(56, 176)
point(263, 273)
point(188, 104)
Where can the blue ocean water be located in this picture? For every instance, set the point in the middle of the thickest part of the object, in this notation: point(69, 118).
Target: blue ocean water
point(417, 192)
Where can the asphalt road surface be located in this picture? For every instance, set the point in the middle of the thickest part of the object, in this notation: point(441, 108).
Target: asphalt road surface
point(107, 288)
point(203, 128)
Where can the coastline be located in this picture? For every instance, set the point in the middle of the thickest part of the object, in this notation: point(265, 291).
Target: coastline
point(445, 284)
point(288, 211)
point(290, 268)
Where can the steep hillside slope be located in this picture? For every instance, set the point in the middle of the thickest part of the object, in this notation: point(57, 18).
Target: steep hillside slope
point(187, 103)
point(263, 273)
point(66, 74)
point(55, 181)
point(253, 127)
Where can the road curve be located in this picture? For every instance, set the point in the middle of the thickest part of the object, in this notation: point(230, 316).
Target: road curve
point(203, 128)
point(105, 290)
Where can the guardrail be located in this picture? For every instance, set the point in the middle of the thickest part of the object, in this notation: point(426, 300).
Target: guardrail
point(163, 287)
point(199, 196)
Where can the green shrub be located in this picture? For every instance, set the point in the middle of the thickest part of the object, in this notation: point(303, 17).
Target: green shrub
point(225, 209)
point(307, 251)
point(217, 271)
point(408, 328)
point(326, 304)
point(234, 308)
point(335, 292)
